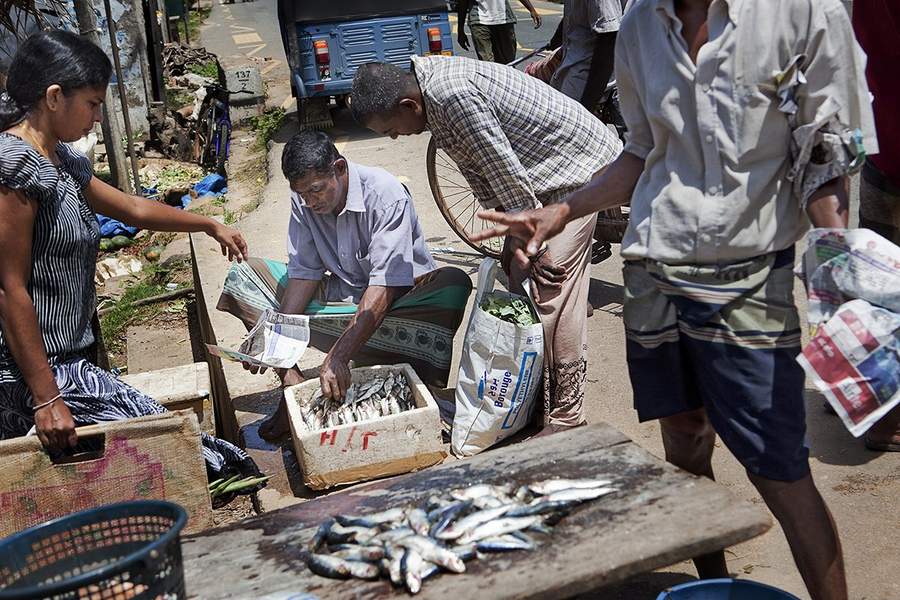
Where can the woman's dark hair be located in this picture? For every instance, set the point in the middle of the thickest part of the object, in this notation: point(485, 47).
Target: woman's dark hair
point(50, 58)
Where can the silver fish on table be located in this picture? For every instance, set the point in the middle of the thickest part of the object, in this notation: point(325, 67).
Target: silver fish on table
point(356, 552)
point(392, 535)
point(395, 570)
point(498, 527)
point(411, 566)
point(321, 535)
point(444, 516)
point(407, 545)
point(557, 485)
point(418, 521)
point(373, 520)
point(432, 552)
point(579, 495)
point(541, 506)
point(504, 543)
point(340, 534)
point(478, 490)
point(470, 522)
point(338, 568)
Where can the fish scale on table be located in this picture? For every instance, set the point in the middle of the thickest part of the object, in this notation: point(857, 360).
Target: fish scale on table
point(412, 544)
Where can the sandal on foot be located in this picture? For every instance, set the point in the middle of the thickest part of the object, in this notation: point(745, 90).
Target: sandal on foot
point(887, 446)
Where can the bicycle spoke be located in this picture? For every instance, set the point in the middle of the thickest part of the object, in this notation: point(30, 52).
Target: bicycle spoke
point(455, 192)
point(450, 208)
point(457, 203)
point(453, 183)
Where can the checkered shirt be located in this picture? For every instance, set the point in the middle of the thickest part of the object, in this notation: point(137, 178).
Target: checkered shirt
point(519, 143)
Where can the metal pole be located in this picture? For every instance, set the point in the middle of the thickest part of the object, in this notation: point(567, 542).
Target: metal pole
point(112, 137)
point(114, 45)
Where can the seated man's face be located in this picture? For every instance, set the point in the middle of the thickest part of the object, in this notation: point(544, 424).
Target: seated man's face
point(323, 193)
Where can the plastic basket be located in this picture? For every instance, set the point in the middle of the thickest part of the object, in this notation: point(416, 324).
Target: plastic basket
point(725, 589)
point(125, 551)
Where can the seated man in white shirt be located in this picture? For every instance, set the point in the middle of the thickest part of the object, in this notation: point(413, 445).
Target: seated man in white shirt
point(357, 263)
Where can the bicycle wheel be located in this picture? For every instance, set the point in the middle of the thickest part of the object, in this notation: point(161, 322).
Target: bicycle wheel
point(223, 136)
point(208, 150)
point(456, 201)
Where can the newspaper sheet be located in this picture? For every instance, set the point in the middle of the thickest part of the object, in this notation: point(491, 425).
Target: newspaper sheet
point(843, 264)
point(277, 341)
point(854, 360)
point(853, 281)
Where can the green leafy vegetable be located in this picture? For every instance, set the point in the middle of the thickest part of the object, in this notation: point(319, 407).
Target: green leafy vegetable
point(510, 309)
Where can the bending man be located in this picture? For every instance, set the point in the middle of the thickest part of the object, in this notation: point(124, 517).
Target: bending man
point(520, 144)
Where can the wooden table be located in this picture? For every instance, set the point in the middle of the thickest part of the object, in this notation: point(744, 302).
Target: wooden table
point(660, 516)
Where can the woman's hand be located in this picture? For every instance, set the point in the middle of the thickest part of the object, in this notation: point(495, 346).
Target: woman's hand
point(234, 246)
point(55, 426)
point(536, 17)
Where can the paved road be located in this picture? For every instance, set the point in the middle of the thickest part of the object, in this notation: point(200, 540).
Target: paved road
point(861, 487)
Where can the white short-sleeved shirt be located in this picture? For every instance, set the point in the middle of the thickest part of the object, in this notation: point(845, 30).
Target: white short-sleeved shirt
point(491, 12)
point(375, 240)
point(716, 145)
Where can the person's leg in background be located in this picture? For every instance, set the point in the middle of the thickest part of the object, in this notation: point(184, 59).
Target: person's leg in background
point(503, 40)
point(481, 39)
point(601, 69)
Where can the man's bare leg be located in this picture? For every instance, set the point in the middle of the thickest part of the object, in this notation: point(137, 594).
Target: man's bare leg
point(810, 532)
point(689, 439)
point(885, 434)
point(278, 423)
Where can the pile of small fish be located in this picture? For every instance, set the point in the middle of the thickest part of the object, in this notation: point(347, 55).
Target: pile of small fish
point(378, 397)
point(409, 545)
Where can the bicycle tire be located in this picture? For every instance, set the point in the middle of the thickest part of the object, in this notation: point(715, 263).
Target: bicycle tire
point(209, 125)
point(223, 136)
point(462, 221)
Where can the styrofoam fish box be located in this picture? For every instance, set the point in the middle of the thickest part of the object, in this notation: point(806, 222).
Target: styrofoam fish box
point(365, 450)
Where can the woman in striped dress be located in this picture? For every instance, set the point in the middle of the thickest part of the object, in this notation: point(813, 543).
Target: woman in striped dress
point(48, 243)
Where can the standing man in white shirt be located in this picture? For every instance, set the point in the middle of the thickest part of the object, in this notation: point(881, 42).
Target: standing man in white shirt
point(493, 26)
point(745, 119)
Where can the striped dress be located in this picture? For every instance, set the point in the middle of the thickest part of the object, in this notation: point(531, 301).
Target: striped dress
point(64, 255)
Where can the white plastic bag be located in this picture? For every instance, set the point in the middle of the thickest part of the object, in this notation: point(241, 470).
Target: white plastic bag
point(499, 374)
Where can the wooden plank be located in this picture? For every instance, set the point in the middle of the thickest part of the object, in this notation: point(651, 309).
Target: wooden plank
point(659, 516)
point(174, 384)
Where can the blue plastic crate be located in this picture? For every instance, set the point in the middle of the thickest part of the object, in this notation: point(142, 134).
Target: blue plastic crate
point(130, 550)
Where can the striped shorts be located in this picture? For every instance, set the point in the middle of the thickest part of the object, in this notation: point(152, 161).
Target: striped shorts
point(723, 338)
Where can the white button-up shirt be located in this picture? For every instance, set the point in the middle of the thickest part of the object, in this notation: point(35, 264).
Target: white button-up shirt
point(375, 240)
point(715, 144)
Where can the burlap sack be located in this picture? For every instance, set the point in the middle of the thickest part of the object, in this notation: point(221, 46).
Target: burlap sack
point(156, 457)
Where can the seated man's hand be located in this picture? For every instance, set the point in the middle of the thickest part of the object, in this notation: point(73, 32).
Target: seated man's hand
point(334, 377)
point(255, 369)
